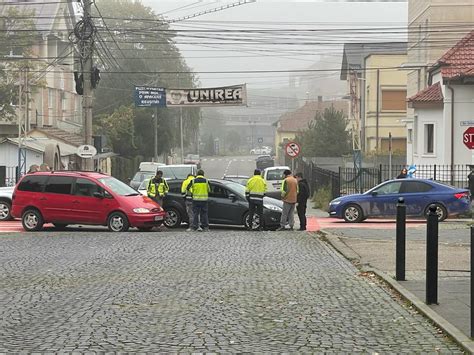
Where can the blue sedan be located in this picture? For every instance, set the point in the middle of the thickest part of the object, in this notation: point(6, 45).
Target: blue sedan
point(419, 194)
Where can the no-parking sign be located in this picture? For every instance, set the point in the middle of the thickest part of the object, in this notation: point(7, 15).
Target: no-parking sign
point(292, 149)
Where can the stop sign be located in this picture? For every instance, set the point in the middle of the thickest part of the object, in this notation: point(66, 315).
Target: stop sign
point(468, 137)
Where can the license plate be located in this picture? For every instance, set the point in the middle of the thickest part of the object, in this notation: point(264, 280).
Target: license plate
point(158, 218)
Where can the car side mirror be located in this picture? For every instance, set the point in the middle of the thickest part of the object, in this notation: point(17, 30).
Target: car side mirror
point(374, 193)
point(232, 197)
point(98, 194)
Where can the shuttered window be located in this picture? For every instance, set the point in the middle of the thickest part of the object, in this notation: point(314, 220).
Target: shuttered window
point(394, 100)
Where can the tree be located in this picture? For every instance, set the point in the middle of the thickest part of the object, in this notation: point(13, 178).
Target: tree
point(119, 128)
point(326, 135)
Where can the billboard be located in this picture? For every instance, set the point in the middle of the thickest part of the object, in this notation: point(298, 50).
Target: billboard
point(235, 95)
point(146, 96)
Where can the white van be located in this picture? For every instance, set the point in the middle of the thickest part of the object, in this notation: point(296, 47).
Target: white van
point(274, 176)
point(149, 166)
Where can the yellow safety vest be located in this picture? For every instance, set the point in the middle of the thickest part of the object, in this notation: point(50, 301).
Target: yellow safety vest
point(199, 188)
point(256, 188)
point(184, 188)
point(162, 189)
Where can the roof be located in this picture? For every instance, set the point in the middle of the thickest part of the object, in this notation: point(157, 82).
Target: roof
point(59, 134)
point(28, 146)
point(458, 62)
point(354, 54)
point(40, 143)
point(432, 93)
point(299, 119)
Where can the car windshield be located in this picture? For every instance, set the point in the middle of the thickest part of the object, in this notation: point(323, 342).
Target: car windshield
point(235, 187)
point(193, 157)
point(141, 175)
point(276, 174)
point(176, 172)
point(117, 186)
point(144, 184)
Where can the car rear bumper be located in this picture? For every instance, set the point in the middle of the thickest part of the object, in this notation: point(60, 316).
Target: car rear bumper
point(148, 219)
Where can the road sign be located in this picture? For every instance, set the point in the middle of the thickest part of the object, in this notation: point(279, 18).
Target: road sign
point(86, 151)
point(260, 140)
point(146, 96)
point(292, 149)
point(468, 137)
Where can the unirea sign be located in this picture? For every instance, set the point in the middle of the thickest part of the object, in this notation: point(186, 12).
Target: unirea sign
point(292, 149)
point(468, 138)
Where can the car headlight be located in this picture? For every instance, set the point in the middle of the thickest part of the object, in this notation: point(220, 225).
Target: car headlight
point(335, 202)
point(273, 208)
point(141, 210)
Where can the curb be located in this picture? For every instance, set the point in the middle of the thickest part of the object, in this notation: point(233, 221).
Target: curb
point(459, 337)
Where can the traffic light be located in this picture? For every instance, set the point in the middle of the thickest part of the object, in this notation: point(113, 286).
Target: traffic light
point(95, 77)
point(79, 83)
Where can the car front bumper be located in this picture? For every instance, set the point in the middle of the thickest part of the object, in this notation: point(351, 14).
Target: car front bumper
point(146, 219)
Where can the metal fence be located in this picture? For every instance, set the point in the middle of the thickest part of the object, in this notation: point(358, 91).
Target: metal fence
point(350, 180)
point(7, 175)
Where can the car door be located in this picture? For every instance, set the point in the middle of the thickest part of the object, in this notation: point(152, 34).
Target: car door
point(57, 199)
point(222, 208)
point(384, 199)
point(86, 207)
point(416, 196)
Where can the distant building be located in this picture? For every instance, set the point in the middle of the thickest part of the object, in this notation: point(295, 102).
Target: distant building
point(54, 103)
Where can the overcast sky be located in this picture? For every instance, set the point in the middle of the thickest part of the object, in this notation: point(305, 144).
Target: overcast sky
point(280, 19)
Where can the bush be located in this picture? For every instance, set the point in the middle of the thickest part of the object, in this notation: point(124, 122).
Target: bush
point(322, 197)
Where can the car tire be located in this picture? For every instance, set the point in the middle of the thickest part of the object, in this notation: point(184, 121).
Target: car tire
point(5, 210)
point(117, 222)
point(60, 226)
point(440, 211)
point(247, 222)
point(173, 218)
point(352, 214)
point(32, 220)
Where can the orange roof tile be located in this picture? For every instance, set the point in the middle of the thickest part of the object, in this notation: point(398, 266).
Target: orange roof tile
point(458, 62)
point(432, 93)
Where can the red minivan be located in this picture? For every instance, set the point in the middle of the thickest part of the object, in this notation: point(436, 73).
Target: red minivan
point(73, 197)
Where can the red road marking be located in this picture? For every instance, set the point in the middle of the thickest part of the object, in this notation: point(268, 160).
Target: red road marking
point(317, 223)
point(11, 226)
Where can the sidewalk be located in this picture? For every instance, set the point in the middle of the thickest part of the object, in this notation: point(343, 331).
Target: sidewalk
point(452, 314)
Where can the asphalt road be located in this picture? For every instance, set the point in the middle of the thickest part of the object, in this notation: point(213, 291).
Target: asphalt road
point(179, 292)
point(217, 167)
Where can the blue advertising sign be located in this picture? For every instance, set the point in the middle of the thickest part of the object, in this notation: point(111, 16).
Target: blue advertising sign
point(146, 96)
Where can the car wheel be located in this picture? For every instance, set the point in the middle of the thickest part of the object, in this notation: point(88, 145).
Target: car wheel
point(255, 222)
point(440, 211)
point(32, 220)
point(118, 222)
point(60, 226)
point(173, 218)
point(353, 214)
point(5, 210)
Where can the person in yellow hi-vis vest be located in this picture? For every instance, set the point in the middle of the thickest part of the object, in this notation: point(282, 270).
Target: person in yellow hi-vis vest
point(199, 189)
point(158, 188)
point(255, 191)
point(188, 197)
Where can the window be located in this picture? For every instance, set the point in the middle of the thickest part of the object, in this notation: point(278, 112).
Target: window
point(33, 183)
point(429, 138)
point(276, 174)
point(394, 100)
point(415, 135)
point(84, 187)
point(218, 191)
point(390, 188)
point(51, 98)
point(59, 185)
point(414, 187)
point(410, 135)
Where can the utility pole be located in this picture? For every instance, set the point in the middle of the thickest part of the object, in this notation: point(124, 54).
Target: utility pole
point(156, 134)
point(22, 121)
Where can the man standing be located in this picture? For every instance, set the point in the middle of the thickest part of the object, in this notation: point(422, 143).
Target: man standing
point(254, 191)
point(302, 199)
point(158, 188)
point(289, 192)
point(188, 197)
point(199, 188)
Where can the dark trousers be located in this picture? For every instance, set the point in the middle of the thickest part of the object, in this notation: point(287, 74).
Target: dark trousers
point(301, 209)
point(259, 208)
point(200, 212)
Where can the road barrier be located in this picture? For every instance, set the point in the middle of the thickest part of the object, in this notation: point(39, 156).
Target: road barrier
point(400, 246)
point(432, 256)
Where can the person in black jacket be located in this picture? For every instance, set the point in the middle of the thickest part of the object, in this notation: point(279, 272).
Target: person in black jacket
point(303, 195)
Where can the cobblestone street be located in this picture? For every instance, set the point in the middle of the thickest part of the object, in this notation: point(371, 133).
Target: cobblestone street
point(224, 291)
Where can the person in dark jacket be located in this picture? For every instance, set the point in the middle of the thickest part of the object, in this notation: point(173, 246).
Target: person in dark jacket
point(302, 198)
point(403, 174)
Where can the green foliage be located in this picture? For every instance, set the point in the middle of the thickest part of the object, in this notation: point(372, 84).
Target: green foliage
point(326, 135)
point(322, 197)
point(120, 129)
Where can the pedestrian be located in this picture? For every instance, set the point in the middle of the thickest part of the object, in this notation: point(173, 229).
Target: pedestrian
point(255, 191)
point(158, 188)
point(199, 188)
point(403, 174)
point(188, 197)
point(289, 193)
point(302, 199)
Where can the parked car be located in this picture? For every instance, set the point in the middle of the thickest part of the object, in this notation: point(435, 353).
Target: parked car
point(419, 194)
point(6, 203)
point(240, 179)
point(227, 205)
point(274, 176)
point(139, 177)
point(69, 197)
point(260, 150)
point(193, 159)
point(264, 161)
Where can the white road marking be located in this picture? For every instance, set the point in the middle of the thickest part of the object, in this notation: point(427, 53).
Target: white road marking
point(228, 166)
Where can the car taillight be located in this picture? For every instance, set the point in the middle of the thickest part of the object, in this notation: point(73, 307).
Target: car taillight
point(462, 195)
